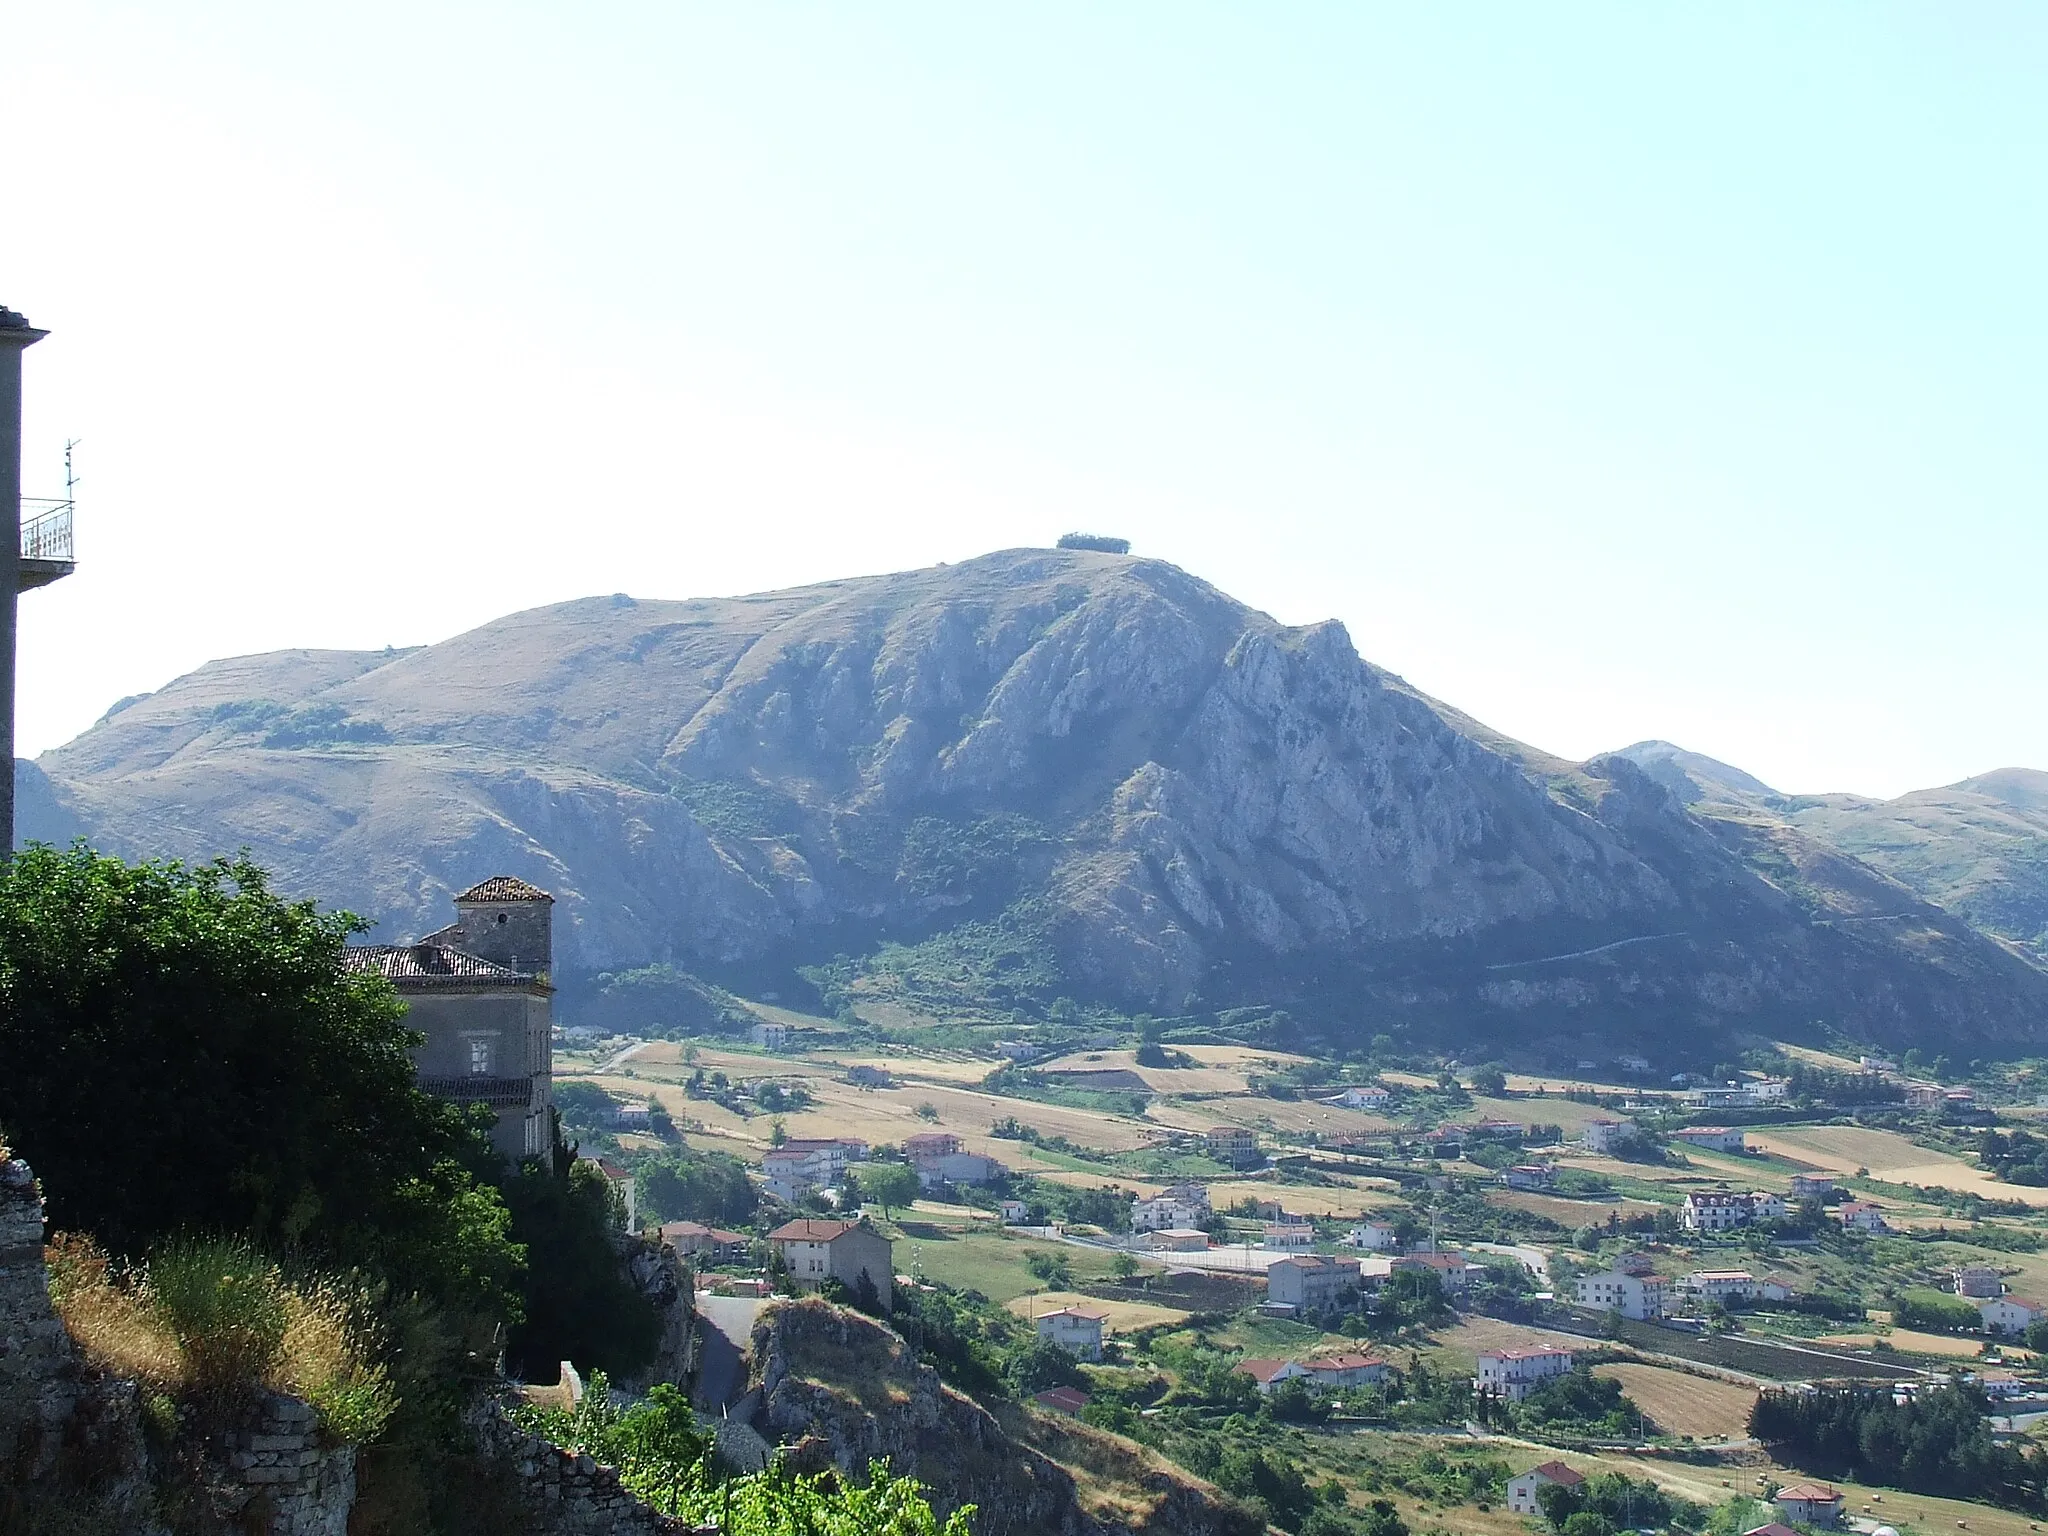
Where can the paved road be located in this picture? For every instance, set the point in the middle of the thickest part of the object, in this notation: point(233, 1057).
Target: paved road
point(619, 1060)
point(722, 1370)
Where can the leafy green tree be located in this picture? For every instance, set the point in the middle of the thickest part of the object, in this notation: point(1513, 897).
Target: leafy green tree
point(1490, 1080)
point(184, 1053)
point(889, 1184)
point(1052, 1268)
point(1587, 1523)
point(696, 1186)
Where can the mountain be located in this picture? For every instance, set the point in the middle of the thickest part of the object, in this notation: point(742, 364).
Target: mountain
point(1978, 849)
point(973, 791)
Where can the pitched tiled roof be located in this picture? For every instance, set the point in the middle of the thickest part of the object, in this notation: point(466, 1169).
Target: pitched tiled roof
point(1810, 1493)
point(502, 888)
point(810, 1229)
point(425, 965)
point(1263, 1370)
point(1559, 1473)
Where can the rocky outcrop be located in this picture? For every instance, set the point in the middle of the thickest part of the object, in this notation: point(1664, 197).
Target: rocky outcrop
point(839, 1389)
point(1171, 800)
point(659, 1275)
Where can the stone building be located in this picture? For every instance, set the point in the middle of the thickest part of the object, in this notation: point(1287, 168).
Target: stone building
point(478, 990)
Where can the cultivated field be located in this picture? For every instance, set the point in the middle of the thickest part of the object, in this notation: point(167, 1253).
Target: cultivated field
point(1908, 1341)
point(995, 1263)
point(1682, 1404)
point(1570, 1213)
point(1890, 1157)
point(1124, 1316)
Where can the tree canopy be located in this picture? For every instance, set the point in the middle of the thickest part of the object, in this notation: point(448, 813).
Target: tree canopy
point(184, 1053)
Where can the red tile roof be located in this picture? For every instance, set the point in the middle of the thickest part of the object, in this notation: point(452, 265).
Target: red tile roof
point(1810, 1493)
point(1559, 1473)
point(502, 888)
point(1263, 1370)
point(1061, 1399)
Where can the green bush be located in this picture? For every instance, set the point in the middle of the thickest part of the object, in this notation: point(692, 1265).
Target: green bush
point(1937, 1312)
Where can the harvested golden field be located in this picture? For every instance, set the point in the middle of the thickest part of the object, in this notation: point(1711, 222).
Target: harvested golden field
point(1910, 1341)
point(1349, 1199)
point(1124, 1316)
point(1569, 1213)
point(1890, 1157)
point(1681, 1404)
point(1538, 1111)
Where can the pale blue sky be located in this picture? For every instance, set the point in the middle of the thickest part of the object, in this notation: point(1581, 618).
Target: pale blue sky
point(1612, 372)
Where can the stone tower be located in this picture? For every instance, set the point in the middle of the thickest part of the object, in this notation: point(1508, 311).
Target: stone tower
point(507, 922)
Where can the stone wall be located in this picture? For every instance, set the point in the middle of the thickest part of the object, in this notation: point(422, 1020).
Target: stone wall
point(70, 1437)
point(279, 1476)
point(565, 1494)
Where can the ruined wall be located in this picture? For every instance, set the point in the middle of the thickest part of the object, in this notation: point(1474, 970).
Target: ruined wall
point(275, 1474)
point(565, 1494)
point(70, 1437)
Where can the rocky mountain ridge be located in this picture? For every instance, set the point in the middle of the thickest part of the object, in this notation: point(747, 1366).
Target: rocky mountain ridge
point(1032, 775)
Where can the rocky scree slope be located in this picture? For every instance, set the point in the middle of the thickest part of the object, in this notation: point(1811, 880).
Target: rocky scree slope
point(1071, 772)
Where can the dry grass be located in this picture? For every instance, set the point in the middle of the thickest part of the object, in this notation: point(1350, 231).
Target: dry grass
point(1570, 1213)
point(214, 1319)
point(1682, 1404)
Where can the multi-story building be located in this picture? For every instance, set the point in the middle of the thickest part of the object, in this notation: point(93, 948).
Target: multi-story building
point(1726, 1285)
point(1348, 1370)
point(1515, 1373)
point(1365, 1096)
point(1522, 1490)
point(711, 1245)
point(1728, 1096)
point(1606, 1135)
point(479, 991)
point(1232, 1145)
point(1268, 1374)
point(1637, 1297)
point(957, 1168)
point(1977, 1280)
point(1716, 1211)
point(1765, 1206)
point(1184, 1205)
point(930, 1144)
point(1529, 1176)
point(1452, 1270)
point(1077, 1330)
point(1373, 1236)
point(815, 1251)
point(1813, 1186)
point(796, 1168)
point(1311, 1282)
point(2010, 1314)
point(1861, 1216)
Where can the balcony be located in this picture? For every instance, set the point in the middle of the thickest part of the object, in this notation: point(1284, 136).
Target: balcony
point(47, 552)
point(477, 1088)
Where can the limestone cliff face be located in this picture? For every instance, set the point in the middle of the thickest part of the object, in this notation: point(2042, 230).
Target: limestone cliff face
point(1180, 799)
point(842, 1389)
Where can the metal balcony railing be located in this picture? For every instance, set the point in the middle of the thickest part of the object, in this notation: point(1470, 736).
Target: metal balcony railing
point(477, 1088)
point(46, 530)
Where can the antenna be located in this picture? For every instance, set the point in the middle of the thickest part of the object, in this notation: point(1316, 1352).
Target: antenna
point(70, 480)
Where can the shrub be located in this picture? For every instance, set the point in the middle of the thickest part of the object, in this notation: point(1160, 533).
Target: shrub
point(1101, 543)
point(212, 1320)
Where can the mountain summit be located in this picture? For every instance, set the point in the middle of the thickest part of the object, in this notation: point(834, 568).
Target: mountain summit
point(1031, 775)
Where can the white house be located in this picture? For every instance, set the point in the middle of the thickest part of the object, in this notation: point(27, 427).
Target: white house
point(1529, 1176)
point(1014, 1212)
point(1606, 1135)
point(1714, 1138)
point(1289, 1236)
point(1366, 1096)
point(1711, 1210)
point(1373, 1236)
point(1637, 1297)
point(1860, 1216)
point(1522, 1490)
point(797, 1167)
point(1184, 1205)
point(1765, 1206)
point(1177, 1240)
point(1515, 1373)
point(1729, 1096)
point(2010, 1314)
point(1770, 1090)
point(1346, 1370)
point(1268, 1374)
point(1077, 1330)
point(1725, 1285)
point(1810, 1504)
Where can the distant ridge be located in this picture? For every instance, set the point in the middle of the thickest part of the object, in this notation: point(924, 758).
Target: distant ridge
point(1040, 779)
